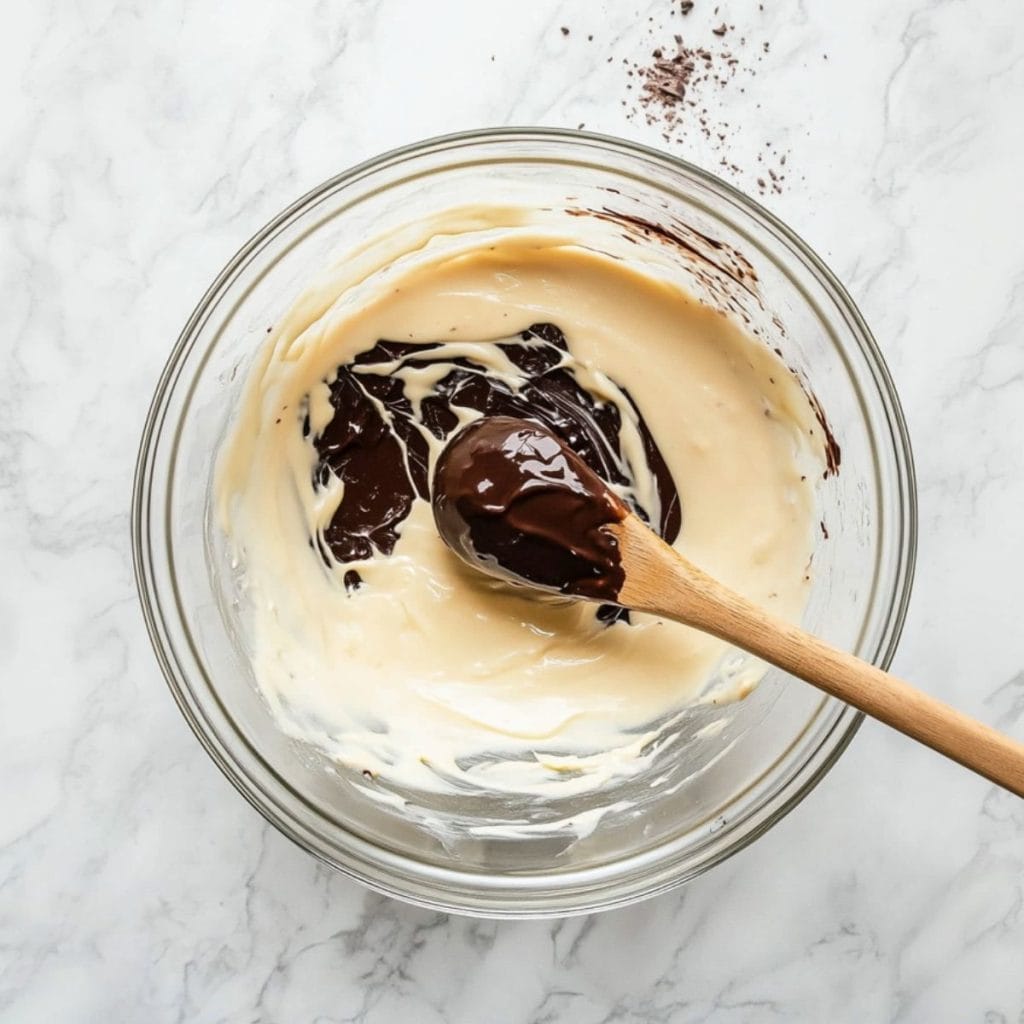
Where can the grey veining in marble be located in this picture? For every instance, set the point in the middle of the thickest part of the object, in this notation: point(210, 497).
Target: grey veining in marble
point(142, 143)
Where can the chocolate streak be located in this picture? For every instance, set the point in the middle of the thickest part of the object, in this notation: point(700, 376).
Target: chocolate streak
point(511, 499)
point(719, 267)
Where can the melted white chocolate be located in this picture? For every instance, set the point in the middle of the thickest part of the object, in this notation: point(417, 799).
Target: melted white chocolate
point(432, 676)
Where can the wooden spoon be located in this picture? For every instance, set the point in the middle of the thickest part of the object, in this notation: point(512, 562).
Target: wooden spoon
point(513, 501)
point(659, 580)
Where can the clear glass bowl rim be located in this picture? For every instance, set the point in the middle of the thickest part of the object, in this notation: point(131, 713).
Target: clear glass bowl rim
point(564, 893)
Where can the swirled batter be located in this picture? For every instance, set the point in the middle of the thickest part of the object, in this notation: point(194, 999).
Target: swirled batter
point(368, 636)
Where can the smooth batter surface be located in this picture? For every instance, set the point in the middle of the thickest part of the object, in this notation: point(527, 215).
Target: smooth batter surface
point(429, 675)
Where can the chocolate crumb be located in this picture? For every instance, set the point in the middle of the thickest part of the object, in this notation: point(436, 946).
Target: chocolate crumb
point(677, 91)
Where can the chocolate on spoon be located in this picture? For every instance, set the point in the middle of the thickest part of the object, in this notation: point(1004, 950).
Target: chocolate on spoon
point(513, 500)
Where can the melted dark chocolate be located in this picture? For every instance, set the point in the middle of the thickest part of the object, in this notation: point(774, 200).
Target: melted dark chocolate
point(361, 449)
point(382, 460)
point(512, 499)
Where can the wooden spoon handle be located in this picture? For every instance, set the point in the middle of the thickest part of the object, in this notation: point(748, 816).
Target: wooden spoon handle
point(661, 581)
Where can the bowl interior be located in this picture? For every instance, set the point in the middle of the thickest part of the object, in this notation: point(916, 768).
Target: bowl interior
point(711, 789)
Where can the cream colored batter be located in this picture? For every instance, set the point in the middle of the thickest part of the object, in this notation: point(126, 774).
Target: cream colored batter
point(432, 676)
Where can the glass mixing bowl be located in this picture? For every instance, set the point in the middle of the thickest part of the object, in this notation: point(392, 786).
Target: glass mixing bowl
point(719, 788)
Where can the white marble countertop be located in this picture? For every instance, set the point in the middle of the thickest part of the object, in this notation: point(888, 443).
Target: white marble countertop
point(142, 143)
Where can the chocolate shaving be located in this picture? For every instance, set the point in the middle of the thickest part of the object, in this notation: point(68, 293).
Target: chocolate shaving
point(678, 90)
